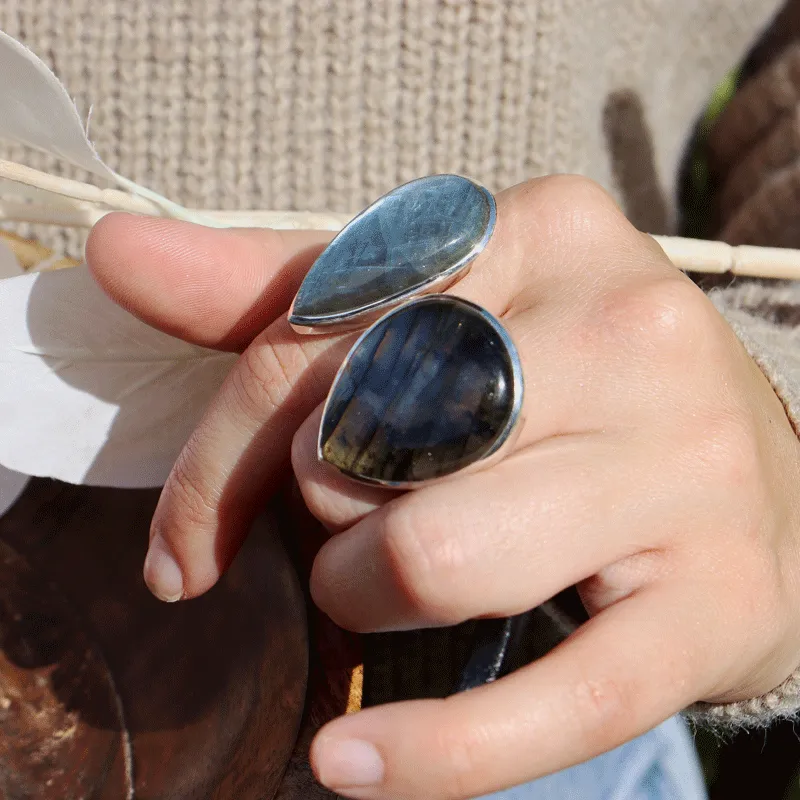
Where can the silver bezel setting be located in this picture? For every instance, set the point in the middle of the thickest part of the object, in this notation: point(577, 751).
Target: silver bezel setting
point(367, 314)
point(505, 440)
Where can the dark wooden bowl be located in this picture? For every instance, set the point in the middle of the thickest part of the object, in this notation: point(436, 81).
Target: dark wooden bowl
point(105, 693)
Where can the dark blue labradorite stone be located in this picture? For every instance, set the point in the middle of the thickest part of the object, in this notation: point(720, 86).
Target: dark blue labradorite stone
point(409, 237)
point(427, 391)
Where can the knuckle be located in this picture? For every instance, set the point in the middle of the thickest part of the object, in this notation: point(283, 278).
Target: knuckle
point(603, 707)
point(667, 319)
point(727, 450)
point(577, 190)
point(269, 373)
point(192, 500)
point(572, 207)
point(254, 386)
point(421, 563)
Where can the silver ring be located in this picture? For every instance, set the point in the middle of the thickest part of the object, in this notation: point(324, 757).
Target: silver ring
point(433, 388)
point(417, 239)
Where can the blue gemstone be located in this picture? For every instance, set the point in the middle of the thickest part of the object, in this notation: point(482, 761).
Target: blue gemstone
point(421, 232)
point(429, 389)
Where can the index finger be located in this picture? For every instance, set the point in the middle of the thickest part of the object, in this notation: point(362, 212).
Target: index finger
point(216, 288)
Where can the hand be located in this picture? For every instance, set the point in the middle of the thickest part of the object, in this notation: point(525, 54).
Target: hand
point(656, 470)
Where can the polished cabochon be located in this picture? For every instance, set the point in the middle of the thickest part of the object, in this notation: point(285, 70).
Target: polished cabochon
point(416, 239)
point(432, 388)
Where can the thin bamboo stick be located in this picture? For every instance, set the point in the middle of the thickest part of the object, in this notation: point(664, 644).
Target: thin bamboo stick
point(77, 190)
point(696, 255)
point(92, 203)
point(85, 215)
point(89, 203)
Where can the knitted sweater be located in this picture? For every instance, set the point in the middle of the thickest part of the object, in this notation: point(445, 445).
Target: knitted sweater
point(327, 104)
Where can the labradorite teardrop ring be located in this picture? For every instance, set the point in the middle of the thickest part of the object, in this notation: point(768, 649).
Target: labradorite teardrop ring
point(433, 387)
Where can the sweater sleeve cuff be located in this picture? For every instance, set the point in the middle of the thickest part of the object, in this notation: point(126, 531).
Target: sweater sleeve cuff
point(767, 322)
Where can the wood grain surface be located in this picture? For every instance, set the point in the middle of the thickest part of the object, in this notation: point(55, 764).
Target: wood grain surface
point(107, 693)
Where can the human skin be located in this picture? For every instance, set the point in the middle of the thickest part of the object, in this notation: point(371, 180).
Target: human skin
point(656, 469)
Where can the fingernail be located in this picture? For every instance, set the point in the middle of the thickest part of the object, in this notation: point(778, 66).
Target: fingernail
point(348, 764)
point(162, 573)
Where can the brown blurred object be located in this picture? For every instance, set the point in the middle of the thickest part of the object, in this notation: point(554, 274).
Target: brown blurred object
point(32, 255)
point(335, 675)
point(754, 145)
point(107, 693)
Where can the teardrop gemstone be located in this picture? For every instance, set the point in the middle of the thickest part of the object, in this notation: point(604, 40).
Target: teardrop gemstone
point(429, 389)
point(416, 238)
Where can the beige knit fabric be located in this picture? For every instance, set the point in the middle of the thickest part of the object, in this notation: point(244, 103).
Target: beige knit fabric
point(326, 104)
point(318, 104)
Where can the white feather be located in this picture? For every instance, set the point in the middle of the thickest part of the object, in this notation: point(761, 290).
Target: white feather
point(88, 393)
point(37, 111)
point(12, 485)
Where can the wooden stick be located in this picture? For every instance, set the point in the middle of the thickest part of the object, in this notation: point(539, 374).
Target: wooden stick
point(85, 215)
point(696, 255)
point(76, 190)
point(89, 203)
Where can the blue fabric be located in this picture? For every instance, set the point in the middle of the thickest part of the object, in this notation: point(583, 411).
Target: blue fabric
point(661, 765)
